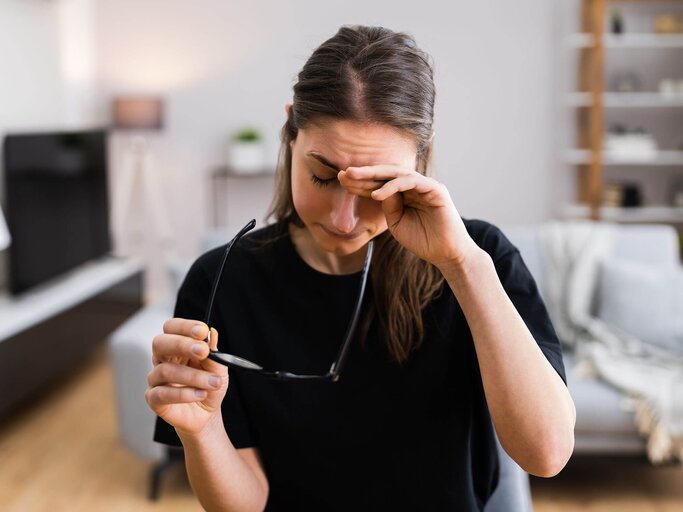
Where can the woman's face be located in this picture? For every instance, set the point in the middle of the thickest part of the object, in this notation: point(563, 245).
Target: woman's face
point(338, 221)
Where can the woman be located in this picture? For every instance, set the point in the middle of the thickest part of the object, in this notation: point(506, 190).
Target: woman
point(453, 338)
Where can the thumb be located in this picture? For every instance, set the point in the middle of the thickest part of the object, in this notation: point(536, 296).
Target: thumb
point(213, 339)
point(207, 363)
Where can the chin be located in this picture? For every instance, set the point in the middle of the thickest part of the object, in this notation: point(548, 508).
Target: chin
point(342, 247)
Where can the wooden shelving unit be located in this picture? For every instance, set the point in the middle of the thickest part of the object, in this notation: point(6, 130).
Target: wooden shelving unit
point(596, 45)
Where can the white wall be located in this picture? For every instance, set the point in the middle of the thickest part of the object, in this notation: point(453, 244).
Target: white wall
point(224, 64)
point(221, 65)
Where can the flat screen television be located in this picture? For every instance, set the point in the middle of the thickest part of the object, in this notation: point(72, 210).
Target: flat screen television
point(56, 203)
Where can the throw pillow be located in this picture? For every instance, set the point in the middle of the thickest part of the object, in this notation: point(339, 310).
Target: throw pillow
point(643, 301)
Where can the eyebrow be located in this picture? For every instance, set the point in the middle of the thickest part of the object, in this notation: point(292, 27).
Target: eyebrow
point(323, 161)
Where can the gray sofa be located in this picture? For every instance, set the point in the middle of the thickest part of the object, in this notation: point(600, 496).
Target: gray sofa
point(602, 425)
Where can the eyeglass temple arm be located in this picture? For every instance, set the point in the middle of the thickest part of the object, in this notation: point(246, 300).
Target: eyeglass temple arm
point(250, 225)
point(336, 367)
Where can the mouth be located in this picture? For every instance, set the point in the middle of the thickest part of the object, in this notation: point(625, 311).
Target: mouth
point(342, 236)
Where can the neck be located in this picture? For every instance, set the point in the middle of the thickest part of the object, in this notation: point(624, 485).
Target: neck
point(321, 260)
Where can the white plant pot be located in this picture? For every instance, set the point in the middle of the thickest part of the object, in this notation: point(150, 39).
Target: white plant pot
point(246, 157)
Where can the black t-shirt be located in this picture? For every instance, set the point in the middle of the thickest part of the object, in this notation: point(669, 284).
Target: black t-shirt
point(384, 437)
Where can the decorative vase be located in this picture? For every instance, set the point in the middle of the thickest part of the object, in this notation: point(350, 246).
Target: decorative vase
point(246, 157)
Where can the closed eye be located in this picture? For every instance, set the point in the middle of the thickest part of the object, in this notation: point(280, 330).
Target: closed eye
point(322, 182)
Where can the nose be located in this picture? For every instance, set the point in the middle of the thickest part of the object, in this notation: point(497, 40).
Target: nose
point(344, 212)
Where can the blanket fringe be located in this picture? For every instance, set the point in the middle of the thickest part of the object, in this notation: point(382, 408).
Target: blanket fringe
point(661, 446)
point(584, 369)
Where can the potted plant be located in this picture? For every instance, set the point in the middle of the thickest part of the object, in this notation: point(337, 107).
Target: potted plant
point(246, 152)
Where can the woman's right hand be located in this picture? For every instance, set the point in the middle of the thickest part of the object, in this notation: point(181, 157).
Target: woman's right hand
point(185, 388)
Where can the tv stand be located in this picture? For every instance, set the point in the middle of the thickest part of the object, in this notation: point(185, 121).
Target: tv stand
point(46, 331)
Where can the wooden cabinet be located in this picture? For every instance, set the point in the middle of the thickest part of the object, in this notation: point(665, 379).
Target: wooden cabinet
point(49, 330)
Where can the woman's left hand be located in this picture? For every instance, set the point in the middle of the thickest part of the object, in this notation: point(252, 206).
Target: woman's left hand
point(419, 211)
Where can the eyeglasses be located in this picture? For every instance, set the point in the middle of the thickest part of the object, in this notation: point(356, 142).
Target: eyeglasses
point(246, 365)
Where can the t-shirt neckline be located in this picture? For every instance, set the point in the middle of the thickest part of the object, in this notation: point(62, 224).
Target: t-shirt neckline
point(296, 259)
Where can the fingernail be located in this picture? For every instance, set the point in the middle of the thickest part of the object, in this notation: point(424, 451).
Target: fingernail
point(197, 330)
point(214, 381)
point(198, 349)
point(200, 393)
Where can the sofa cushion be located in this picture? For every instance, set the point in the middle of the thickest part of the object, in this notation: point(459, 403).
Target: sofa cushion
point(644, 301)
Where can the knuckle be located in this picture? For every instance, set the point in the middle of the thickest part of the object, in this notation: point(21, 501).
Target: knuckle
point(163, 394)
point(159, 395)
point(164, 371)
point(157, 342)
point(149, 396)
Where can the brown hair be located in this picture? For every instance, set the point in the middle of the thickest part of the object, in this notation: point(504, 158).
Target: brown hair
point(372, 75)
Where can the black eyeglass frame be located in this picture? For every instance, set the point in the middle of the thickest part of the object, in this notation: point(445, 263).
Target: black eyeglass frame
point(242, 364)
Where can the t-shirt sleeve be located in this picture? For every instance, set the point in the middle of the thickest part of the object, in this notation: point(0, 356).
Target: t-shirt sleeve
point(522, 290)
point(191, 303)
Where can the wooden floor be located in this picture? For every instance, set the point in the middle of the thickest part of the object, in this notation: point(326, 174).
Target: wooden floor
point(62, 453)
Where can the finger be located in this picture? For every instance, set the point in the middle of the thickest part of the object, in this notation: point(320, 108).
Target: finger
point(362, 188)
point(190, 328)
point(361, 184)
point(177, 374)
point(165, 395)
point(392, 207)
point(174, 345)
point(361, 192)
point(417, 182)
point(378, 172)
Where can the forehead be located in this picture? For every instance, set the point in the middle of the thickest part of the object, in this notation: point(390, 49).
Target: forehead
point(350, 143)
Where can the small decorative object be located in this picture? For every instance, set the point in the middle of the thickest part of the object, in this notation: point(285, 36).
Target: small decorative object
point(630, 144)
point(626, 81)
point(667, 87)
point(632, 196)
point(668, 24)
point(612, 195)
point(246, 154)
point(622, 195)
point(617, 21)
point(677, 193)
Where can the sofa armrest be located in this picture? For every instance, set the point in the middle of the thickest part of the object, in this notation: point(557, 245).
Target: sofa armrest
point(130, 349)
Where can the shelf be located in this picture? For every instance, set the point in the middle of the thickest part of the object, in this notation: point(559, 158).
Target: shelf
point(599, 155)
point(628, 41)
point(662, 158)
point(637, 214)
point(626, 100)
point(227, 172)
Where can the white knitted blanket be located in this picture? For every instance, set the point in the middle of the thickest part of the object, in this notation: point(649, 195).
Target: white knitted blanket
point(651, 376)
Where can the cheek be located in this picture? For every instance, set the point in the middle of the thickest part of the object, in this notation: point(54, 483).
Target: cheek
point(308, 200)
